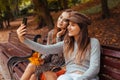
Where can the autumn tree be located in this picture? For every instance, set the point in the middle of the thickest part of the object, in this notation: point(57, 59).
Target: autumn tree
point(14, 4)
point(63, 4)
point(41, 8)
point(7, 15)
point(105, 9)
point(1, 21)
point(6, 12)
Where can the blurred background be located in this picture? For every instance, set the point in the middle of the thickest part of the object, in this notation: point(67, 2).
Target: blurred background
point(105, 15)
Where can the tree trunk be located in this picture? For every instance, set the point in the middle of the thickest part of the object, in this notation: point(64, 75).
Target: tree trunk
point(1, 21)
point(60, 4)
point(42, 10)
point(8, 15)
point(17, 8)
point(65, 4)
point(105, 9)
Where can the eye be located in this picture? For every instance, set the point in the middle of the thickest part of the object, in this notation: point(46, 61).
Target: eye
point(60, 17)
point(66, 20)
point(72, 25)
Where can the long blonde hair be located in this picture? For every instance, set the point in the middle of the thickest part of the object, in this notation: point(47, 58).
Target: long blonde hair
point(83, 41)
point(56, 29)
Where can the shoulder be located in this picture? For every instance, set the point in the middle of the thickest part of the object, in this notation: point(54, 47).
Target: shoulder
point(51, 31)
point(94, 41)
point(95, 46)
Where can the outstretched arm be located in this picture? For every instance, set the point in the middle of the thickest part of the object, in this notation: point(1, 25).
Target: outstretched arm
point(43, 49)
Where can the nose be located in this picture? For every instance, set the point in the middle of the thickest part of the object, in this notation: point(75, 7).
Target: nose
point(61, 20)
point(68, 27)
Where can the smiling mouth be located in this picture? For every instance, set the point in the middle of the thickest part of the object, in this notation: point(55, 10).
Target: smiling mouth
point(60, 24)
point(69, 31)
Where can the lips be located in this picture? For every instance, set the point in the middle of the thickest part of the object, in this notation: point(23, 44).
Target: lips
point(69, 31)
point(60, 24)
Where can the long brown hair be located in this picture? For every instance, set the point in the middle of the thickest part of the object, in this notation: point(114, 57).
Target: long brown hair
point(83, 41)
point(56, 29)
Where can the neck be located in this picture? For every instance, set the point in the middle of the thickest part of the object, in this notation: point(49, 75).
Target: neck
point(76, 37)
point(62, 29)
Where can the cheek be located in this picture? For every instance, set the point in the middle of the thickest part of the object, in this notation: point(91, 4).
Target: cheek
point(64, 25)
point(58, 25)
point(76, 31)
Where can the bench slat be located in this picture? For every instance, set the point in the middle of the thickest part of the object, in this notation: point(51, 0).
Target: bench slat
point(112, 53)
point(111, 62)
point(103, 77)
point(110, 72)
point(16, 76)
point(10, 50)
point(18, 72)
point(22, 67)
point(11, 53)
point(23, 49)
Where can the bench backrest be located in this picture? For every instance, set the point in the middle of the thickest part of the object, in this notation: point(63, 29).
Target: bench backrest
point(110, 64)
point(13, 39)
point(18, 55)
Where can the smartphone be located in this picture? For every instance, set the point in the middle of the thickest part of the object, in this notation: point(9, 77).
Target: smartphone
point(24, 21)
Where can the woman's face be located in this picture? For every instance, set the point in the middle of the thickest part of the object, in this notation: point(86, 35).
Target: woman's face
point(73, 29)
point(62, 23)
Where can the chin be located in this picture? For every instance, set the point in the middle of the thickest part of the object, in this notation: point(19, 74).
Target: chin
point(70, 35)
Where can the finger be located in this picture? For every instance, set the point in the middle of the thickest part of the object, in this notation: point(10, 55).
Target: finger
point(62, 31)
point(23, 30)
point(22, 26)
point(22, 34)
point(19, 32)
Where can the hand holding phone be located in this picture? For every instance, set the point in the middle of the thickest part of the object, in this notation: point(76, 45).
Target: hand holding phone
point(24, 21)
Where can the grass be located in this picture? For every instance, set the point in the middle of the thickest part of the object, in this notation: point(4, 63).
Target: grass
point(97, 8)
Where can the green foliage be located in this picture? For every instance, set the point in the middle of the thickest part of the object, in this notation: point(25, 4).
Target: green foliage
point(73, 2)
point(3, 4)
point(24, 4)
point(97, 8)
point(85, 1)
point(27, 8)
point(53, 5)
point(113, 3)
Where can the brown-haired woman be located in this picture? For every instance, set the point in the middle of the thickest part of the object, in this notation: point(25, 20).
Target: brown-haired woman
point(82, 53)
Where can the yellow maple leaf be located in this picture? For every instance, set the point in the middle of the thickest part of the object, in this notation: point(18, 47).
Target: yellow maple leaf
point(36, 59)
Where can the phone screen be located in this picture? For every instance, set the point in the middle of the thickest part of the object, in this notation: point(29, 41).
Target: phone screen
point(24, 21)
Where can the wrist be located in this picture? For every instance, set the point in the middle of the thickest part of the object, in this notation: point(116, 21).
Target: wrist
point(58, 36)
point(21, 39)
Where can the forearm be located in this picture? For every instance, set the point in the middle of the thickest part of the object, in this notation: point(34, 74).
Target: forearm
point(94, 66)
point(44, 49)
point(58, 39)
point(91, 73)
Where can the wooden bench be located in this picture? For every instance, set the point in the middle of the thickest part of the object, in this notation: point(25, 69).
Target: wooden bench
point(109, 70)
point(10, 52)
point(110, 63)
